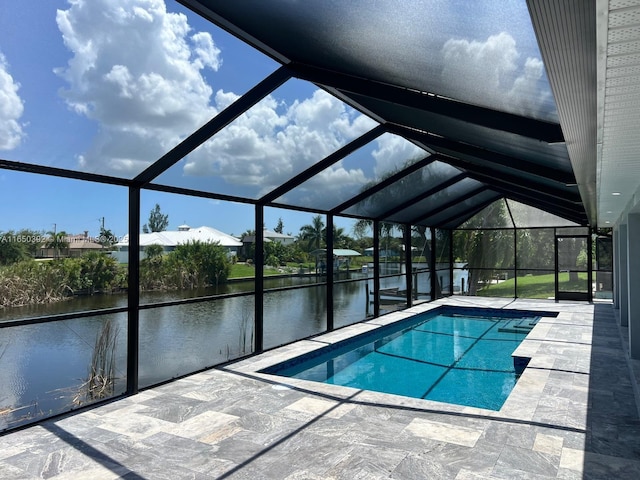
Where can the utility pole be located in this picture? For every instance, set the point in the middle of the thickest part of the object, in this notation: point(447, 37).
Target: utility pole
point(55, 242)
point(101, 233)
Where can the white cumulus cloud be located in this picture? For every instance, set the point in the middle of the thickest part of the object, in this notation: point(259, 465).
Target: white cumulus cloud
point(273, 141)
point(11, 109)
point(394, 152)
point(136, 70)
point(489, 70)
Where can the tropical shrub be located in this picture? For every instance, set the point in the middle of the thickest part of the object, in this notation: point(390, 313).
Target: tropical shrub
point(31, 282)
point(191, 265)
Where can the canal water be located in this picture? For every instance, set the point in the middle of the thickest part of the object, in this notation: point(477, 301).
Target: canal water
point(43, 366)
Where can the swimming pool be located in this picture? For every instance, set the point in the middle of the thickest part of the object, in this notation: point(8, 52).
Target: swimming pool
point(450, 354)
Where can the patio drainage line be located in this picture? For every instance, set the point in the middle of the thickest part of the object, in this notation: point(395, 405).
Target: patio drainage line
point(406, 408)
point(240, 466)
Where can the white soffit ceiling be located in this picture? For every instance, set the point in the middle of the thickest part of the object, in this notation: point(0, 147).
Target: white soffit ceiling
point(618, 107)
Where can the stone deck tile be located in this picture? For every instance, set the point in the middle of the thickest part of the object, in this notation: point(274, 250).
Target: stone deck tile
point(573, 414)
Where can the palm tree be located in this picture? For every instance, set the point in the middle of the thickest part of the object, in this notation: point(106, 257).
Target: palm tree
point(314, 233)
point(484, 250)
point(57, 241)
point(340, 238)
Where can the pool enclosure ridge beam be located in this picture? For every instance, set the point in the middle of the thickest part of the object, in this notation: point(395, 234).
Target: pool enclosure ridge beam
point(323, 164)
point(460, 217)
point(62, 172)
point(450, 203)
point(555, 207)
point(552, 206)
point(430, 102)
point(537, 201)
point(213, 126)
point(554, 202)
point(427, 193)
point(384, 184)
point(491, 176)
point(435, 142)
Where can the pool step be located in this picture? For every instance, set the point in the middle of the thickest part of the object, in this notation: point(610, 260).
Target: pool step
point(523, 325)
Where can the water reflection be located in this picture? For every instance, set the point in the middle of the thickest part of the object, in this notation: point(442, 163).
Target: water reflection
point(43, 365)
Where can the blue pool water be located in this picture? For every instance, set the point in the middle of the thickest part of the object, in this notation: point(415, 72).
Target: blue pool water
point(453, 355)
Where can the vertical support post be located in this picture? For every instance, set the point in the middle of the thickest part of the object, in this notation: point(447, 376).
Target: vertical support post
point(330, 272)
point(133, 292)
point(615, 242)
point(590, 265)
point(515, 263)
point(376, 268)
point(450, 262)
point(408, 264)
point(633, 283)
point(623, 279)
point(432, 266)
point(556, 288)
point(259, 281)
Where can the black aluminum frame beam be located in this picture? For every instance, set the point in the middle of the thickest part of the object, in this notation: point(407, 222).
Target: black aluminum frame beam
point(450, 203)
point(462, 217)
point(323, 164)
point(258, 321)
point(408, 261)
point(133, 292)
point(201, 9)
point(535, 198)
point(384, 184)
point(63, 173)
point(491, 176)
point(213, 126)
point(427, 193)
point(486, 117)
point(436, 142)
point(159, 187)
point(330, 272)
point(553, 207)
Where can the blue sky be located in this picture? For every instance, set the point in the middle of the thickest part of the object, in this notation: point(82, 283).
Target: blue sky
point(108, 86)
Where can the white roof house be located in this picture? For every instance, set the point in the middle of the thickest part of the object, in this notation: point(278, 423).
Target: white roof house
point(278, 237)
point(170, 239)
point(270, 236)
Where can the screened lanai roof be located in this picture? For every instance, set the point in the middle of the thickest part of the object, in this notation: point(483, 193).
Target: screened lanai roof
point(462, 81)
point(424, 112)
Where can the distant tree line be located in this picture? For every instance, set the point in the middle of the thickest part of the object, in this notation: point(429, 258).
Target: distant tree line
point(29, 282)
point(194, 265)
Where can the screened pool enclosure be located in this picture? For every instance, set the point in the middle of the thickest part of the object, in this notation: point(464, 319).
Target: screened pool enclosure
point(445, 148)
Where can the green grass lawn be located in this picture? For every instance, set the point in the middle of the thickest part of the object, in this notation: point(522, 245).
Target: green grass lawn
point(534, 286)
point(242, 270)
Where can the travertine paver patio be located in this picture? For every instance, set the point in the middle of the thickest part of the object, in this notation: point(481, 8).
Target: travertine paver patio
point(573, 414)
